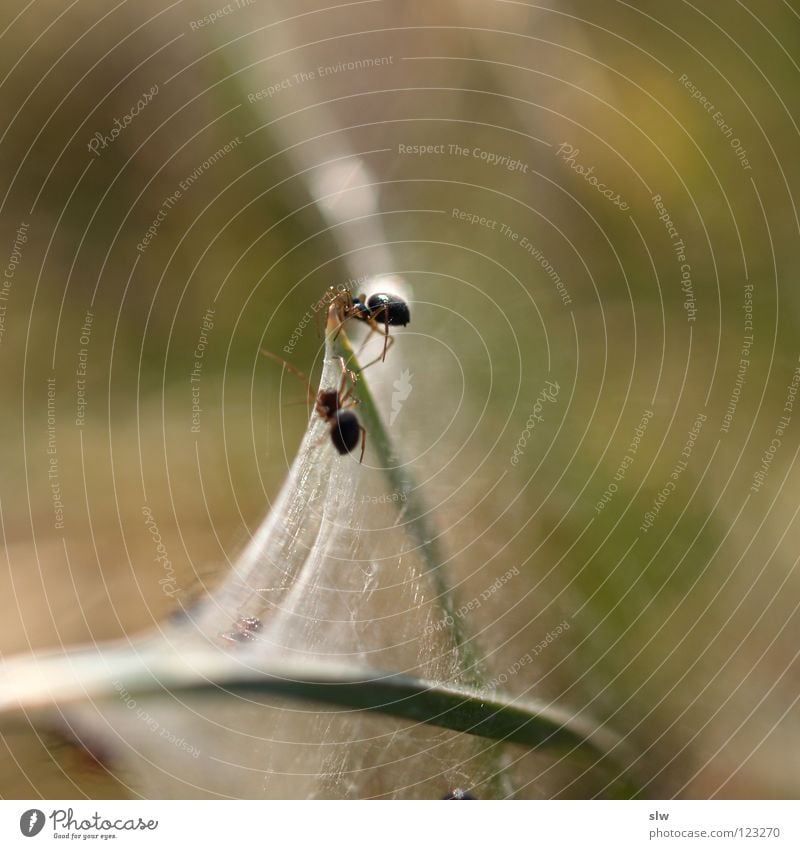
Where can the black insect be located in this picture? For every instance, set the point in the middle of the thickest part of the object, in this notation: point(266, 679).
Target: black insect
point(459, 794)
point(379, 308)
point(386, 309)
point(334, 406)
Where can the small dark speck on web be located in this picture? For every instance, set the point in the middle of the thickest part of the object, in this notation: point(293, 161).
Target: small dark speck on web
point(459, 794)
point(244, 630)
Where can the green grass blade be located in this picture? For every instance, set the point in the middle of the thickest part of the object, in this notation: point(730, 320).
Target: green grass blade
point(416, 516)
point(40, 682)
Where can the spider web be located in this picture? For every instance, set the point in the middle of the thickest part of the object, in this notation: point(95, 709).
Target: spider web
point(333, 578)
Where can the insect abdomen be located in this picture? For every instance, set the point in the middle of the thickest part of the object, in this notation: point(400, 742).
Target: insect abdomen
point(388, 309)
point(345, 432)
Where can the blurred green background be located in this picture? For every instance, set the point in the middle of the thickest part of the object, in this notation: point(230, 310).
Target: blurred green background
point(683, 634)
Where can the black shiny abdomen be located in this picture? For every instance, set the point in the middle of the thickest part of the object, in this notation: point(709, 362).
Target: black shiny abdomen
point(345, 431)
point(388, 309)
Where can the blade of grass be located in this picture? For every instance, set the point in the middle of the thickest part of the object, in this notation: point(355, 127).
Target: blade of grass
point(35, 683)
point(416, 516)
point(493, 718)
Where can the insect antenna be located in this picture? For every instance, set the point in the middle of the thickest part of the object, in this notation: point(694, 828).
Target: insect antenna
point(301, 375)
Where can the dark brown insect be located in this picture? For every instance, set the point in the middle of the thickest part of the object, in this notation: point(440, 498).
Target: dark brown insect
point(334, 406)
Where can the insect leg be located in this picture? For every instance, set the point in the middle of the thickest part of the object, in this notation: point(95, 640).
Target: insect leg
point(295, 371)
point(378, 359)
point(363, 441)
